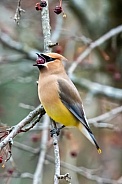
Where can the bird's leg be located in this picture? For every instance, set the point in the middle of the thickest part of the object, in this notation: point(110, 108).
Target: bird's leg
point(55, 130)
point(61, 127)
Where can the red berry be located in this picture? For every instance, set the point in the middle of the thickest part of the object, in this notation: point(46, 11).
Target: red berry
point(10, 171)
point(117, 76)
point(111, 67)
point(1, 159)
point(58, 49)
point(38, 7)
point(43, 3)
point(58, 9)
point(74, 154)
point(35, 138)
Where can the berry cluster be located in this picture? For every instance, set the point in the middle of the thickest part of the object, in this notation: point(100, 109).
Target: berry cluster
point(58, 9)
point(40, 5)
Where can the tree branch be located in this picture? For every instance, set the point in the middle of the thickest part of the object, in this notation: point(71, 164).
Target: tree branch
point(17, 128)
point(57, 156)
point(98, 121)
point(47, 48)
point(85, 172)
point(46, 28)
point(9, 42)
point(98, 89)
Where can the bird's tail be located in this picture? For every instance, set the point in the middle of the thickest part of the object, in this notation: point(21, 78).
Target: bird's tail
point(89, 136)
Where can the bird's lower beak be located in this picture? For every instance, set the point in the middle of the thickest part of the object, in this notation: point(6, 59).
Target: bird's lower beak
point(40, 65)
point(36, 64)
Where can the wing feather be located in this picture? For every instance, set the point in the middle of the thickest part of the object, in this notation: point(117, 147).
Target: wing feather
point(71, 99)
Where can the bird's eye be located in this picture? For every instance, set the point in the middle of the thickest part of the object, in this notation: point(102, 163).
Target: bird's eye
point(47, 58)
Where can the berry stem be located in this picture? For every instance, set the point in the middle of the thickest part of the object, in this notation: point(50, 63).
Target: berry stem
point(60, 1)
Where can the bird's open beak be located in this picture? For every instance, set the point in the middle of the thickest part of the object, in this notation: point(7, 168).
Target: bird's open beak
point(41, 65)
point(41, 61)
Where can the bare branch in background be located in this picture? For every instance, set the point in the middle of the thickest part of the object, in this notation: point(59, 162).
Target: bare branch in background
point(9, 42)
point(99, 120)
point(17, 128)
point(26, 147)
point(19, 10)
point(97, 88)
point(17, 175)
point(87, 173)
point(39, 110)
point(94, 88)
point(92, 46)
point(38, 175)
point(58, 29)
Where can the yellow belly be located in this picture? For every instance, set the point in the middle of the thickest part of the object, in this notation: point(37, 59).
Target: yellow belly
point(59, 113)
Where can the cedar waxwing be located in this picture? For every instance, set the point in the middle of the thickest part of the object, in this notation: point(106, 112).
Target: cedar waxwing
point(59, 96)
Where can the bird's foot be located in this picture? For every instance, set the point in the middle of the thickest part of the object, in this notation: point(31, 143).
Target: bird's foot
point(56, 131)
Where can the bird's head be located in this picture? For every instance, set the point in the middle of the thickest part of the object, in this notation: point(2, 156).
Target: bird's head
point(45, 59)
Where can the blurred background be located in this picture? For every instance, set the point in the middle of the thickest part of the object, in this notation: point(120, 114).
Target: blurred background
point(85, 22)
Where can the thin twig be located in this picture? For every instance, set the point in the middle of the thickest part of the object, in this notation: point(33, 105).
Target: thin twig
point(32, 124)
point(19, 10)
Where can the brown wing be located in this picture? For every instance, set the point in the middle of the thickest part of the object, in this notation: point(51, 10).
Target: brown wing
point(71, 99)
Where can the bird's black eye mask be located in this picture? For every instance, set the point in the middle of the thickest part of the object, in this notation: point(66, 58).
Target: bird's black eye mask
point(42, 59)
point(47, 58)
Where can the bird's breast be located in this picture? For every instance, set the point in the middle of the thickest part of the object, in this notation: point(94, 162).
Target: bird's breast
point(49, 97)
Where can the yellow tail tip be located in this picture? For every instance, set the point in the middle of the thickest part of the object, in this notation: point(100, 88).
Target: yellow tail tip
point(99, 151)
point(3, 166)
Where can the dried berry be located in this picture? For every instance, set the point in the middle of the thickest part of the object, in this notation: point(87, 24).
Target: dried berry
point(10, 171)
point(58, 49)
point(117, 76)
point(43, 3)
point(1, 159)
point(38, 7)
point(73, 154)
point(58, 9)
point(35, 138)
point(111, 67)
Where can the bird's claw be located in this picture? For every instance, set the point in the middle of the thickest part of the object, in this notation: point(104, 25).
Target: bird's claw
point(55, 131)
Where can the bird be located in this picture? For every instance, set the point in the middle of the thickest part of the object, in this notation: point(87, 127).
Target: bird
point(59, 96)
